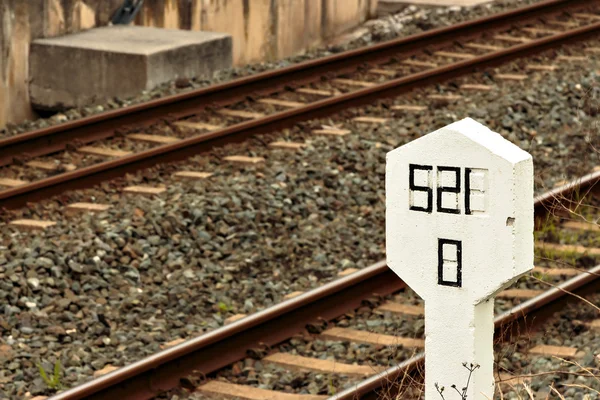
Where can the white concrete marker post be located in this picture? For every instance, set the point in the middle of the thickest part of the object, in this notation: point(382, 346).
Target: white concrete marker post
point(459, 228)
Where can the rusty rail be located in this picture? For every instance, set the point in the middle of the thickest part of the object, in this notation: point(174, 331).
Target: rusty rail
point(567, 194)
point(207, 353)
point(104, 125)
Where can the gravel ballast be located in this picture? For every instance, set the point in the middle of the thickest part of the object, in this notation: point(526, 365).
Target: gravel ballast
point(112, 288)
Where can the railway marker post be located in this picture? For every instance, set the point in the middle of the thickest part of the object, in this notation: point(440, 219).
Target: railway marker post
point(459, 229)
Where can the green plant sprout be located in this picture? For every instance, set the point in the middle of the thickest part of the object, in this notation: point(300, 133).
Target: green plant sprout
point(223, 308)
point(53, 382)
point(331, 387)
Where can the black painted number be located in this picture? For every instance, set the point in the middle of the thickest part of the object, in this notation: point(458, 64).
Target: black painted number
point(422, 181)
point(413, 168)
point(449, 262)
point(448, 171)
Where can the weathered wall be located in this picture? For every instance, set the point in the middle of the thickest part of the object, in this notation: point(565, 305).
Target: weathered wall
point(261, 30)
point(22, 21)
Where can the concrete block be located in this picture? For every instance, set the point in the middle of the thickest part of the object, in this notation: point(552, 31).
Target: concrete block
point(119, 61)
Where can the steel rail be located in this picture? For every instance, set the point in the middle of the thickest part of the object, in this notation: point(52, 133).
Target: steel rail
point(566, 195)
point(89, 176)
point(208, 353)
point(92, 128)
point(522, 318)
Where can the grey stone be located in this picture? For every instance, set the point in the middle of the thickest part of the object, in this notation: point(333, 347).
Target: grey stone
point(154, 240)
point(132, 273)
point(75, 266)
point(45, 262)
point(26, 330)
point(34, 283)
point(101, 63)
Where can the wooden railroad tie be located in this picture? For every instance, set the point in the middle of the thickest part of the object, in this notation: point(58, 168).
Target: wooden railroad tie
point(287, 145)
point(445, 97)
point(507, 379)
point(348, 271)
point(557, 351)
point(87, 207)
point(560, 183)
point(32, 224)
point(9, 182)
point(480, 46)
point(377, 339)
point(331, 132)
point(370, 120)
point(50, 166)
point(572, 58)
point(102, 151)
point(153, 138)
point(406, 309)
point(539, 67)
point(568, 248)
point(193, 175)
point(144, 190)
point(476, 87)
point(540, 31)
point(282, 103)
point(233, 318)
point(234, 390)
point(564, 24)
point(240, 113)
point(587, 16)
point(417, 63)
point(351, 82)
point(384, 72)
point(557, 271)
point(450, 54)
point(317, 92)
point(511, 77)
point(519, 293)
point(245, 159)
point(293, 294)
point(595, 324)
point(581, 226)
point(172, 343)
point(512, 39)
point(408, 107)
point(203, 126)
point(327, 366)
point(107, 368)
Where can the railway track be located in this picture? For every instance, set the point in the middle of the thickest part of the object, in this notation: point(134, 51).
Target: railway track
point(341, 314)
point(183, 125)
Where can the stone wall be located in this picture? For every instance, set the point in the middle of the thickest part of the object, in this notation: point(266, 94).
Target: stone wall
point(261, 30)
